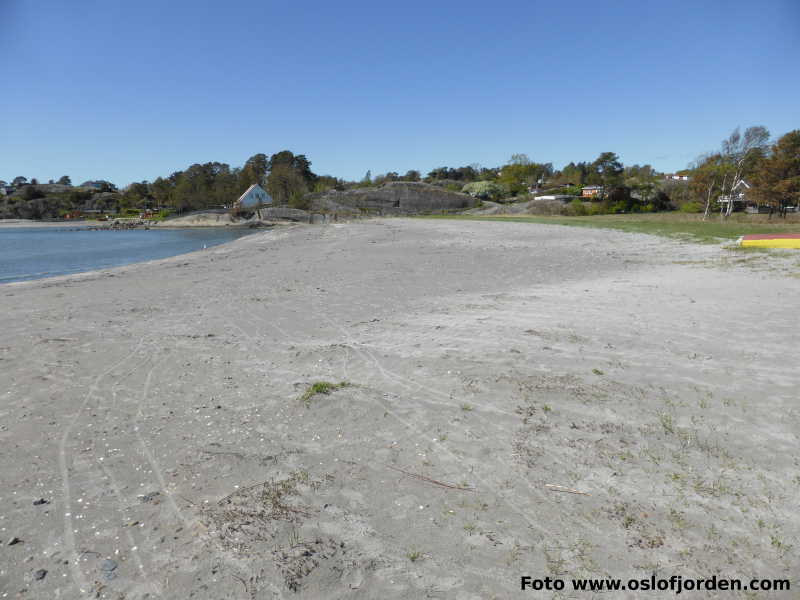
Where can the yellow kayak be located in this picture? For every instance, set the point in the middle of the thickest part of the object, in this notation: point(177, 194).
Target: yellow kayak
point(771, 240)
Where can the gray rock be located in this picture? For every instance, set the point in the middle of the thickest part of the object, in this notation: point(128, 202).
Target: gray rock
point(282, 213)
point(149, 498)
point(108, 565)
point(399, 197)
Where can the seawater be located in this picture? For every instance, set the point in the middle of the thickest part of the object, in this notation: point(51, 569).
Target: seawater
point(33, 253)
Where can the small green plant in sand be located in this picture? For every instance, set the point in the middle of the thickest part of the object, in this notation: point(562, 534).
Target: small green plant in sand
point(667, 422)
point(628, 521)
point(466, 407)
point(321, 388)
point(779, 545)
point(413, 555)
point(597, 372)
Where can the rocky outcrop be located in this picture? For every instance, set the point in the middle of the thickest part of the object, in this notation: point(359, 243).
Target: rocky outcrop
point(400, 197)
point(202, 218)
point(282, 213)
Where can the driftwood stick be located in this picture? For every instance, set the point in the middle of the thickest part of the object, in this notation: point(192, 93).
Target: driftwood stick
point(449, 486)
point(560, 488)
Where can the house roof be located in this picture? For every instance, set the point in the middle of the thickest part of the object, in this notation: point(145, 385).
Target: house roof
point(247, 191)
point(250, 189)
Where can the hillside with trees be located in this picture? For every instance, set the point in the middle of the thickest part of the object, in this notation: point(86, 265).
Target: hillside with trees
point(770, 170)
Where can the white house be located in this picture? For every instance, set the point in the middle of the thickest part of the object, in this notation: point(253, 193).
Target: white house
point(253, 197)
point(743, 200)
point(738, 195)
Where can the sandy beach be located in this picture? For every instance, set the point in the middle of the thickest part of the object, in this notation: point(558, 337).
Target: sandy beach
point(518, 399)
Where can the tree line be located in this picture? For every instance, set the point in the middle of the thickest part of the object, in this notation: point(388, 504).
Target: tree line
point(770, 171)
point(286, 176)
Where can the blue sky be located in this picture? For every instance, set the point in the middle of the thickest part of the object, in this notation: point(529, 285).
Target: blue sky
point(128, 91)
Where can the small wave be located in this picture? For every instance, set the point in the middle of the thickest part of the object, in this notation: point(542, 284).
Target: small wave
point(28, 276)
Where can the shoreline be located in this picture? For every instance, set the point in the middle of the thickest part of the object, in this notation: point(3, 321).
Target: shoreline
point(115, 270)
point(154, 407)
point(104, 225)
point(23, 223)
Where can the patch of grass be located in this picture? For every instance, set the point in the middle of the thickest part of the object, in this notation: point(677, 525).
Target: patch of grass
point(598, 372)
point(779, 544)
point(321, 387)
point(667, 422)
point(678, 519)
point(628, 521)
point(690, 227)
point(515, 553)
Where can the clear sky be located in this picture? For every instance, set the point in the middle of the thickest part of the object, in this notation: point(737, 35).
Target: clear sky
point(130, 90)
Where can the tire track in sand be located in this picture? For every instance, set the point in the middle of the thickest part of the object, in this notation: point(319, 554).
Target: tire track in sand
point(66, 499)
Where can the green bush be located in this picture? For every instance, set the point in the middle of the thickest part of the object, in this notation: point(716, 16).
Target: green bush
point(299, 200)
point(595, 208)
point(577, 208)
point(691, 207)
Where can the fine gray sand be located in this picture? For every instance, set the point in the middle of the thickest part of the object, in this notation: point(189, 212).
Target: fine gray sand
point(157, 410)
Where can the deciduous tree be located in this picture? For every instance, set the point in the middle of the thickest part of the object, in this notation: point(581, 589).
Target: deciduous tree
point(776, 181)
point(740, 154)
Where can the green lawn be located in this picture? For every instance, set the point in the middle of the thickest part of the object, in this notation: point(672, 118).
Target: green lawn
point(675, 225)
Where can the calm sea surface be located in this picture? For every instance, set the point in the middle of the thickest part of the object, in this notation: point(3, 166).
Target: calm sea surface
point(33, 253)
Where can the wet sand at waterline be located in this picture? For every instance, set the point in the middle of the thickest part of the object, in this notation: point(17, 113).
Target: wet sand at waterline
point(158, 440)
